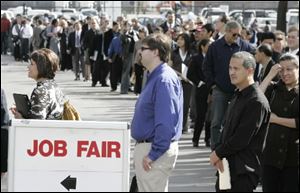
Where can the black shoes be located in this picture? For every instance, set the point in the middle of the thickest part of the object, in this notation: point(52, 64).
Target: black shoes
point(195, 144)
point(207, 143)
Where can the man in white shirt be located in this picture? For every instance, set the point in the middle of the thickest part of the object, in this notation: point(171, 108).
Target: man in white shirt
point(26, 34)
point(293, 40)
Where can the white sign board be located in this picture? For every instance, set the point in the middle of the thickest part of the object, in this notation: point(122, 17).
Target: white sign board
point(56, 156)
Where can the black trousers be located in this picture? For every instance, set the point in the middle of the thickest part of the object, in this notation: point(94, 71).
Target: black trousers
point(96, 72)
point(4, 149)
point(242, 183)
point(115, 72)
point(280, 180)
point(187, 91)
point(4, 42)
point(201, 108)
point(139, 72)
point(25, 49)
point(104, 70)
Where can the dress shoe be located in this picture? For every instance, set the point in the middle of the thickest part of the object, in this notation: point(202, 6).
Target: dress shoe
point(94, 84)
point(207, 144)
point(130, 90)
point(104, 85)
point(195, 144)
point(113, 90)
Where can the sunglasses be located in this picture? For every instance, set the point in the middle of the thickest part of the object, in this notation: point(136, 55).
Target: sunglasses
point(236, 34)
point(279, 39)
point(145, 48)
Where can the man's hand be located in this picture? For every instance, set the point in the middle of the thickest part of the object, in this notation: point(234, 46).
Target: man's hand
point(147, 163)
point(214, 158)
point(219, 166)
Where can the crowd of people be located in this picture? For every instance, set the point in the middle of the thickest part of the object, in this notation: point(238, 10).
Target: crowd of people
point(240, 84)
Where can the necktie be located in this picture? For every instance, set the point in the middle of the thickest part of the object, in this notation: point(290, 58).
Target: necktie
point(77, 41)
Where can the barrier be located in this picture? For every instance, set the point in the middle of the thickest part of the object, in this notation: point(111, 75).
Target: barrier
point(60, 156)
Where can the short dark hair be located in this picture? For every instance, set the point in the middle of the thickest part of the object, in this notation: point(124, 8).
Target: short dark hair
point(268, 35)
point(203, 42)
point(266, 49)
point(47, 62)
point(290, 57)
point(114, 23)
point(209, 28)
point(161, 42)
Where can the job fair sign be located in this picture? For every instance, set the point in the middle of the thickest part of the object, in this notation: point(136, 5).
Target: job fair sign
point(56, 156)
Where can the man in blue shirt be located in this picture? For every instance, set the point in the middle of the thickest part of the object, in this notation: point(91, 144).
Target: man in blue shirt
point(157, 121)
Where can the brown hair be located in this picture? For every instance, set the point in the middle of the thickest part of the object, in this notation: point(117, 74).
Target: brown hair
point(161, 42)
point(47, 62)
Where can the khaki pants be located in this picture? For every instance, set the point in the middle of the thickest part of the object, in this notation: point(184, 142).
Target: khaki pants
point(157, 179)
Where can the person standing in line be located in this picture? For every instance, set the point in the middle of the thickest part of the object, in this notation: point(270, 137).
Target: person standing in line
point(180, 62)
point(5, 26)
point(76, 50)
point(47, 100)
point(157, 120)
point(215, 70)
point(195, 74)
point(244, 129)
point(4, 134)
point(281, 154)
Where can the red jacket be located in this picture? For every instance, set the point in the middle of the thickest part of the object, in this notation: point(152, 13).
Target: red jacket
point(5, 25)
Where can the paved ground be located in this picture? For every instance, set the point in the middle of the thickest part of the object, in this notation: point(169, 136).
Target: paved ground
point(192, 173)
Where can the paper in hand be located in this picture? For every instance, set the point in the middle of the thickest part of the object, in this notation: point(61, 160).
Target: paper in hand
point(224, 177)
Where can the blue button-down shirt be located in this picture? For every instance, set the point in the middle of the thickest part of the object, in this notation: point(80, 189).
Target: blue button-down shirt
point(159, 111)
point(115, 46)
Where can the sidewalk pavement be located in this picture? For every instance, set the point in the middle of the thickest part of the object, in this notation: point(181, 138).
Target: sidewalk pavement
point(192, 173)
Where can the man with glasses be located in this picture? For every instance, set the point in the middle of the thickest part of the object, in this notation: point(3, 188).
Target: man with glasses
point(157, 121)
point(293, 40)
point(216, 72)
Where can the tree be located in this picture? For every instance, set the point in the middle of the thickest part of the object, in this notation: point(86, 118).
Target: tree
point(281, 15)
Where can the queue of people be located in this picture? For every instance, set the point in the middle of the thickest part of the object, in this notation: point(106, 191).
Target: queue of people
point(245, 94)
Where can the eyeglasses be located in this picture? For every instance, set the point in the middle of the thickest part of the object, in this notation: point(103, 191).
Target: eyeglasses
point(236, 34)
point(145, 48)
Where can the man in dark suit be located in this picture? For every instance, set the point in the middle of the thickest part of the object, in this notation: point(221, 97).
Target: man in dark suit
point(244, 128)
point(265, 62)
point(170, 23)
point(76, 50)
point(101, 45)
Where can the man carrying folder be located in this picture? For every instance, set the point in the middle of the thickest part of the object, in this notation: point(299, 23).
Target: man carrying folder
point(244, 128)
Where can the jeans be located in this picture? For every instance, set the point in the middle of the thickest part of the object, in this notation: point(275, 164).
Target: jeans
point(219, 105)
point(125, 80)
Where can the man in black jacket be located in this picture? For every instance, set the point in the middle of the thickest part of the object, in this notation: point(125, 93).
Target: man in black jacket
point(244, 127)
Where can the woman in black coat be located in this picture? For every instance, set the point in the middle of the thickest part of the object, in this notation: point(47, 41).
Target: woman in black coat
point(195, 74)
point(180, 61)
point(281, 153)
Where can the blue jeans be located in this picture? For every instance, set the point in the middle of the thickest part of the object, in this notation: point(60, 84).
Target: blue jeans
point(219, 105)
point(125, 80)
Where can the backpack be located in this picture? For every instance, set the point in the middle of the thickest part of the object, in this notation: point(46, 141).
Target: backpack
point(70, 113)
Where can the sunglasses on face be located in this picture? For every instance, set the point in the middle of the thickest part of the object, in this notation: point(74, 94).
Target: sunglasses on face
point(145, 48)
point(236, 35)
point(279, 39)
